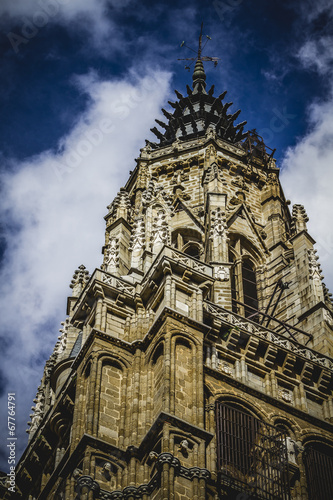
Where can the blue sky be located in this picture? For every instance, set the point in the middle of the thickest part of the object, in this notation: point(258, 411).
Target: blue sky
point(81, 84)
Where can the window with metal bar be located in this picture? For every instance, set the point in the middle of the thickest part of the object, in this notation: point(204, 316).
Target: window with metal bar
point(244, 288)
point(249, 288)
point(251, 455)
point(318, 461)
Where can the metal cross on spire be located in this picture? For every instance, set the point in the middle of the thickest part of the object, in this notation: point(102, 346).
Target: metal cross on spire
point(199, 57)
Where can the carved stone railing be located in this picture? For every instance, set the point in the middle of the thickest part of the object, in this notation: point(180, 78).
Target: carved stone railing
point(86, 485)
point(188, 261)
point(180, 258)
point(250, 327)
point(118, 283)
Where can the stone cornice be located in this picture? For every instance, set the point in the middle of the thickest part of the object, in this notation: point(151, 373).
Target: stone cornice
point(316, 307)
point(246, 389)
point(130, 492)
point(251, 328)
point(138, 344)
point(164, 153)
point(305, 234)
point(176, 422)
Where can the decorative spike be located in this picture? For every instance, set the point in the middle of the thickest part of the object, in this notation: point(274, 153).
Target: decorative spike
point(167, 114)
point(188, 90)
point(211, 90)
point(179, 95)
point(173, 123)
point(215, 104)
point(158, 134)
point(190, 105)
point(239, 135)
point(226, 130)
point(241, 125)
point(180, 121)
point(220, 120)
point(235, 115)
point(151, 144)
point(222, 96)
point(227, 106)
point(172, 104)
point(232, 133)
point(80, 279)
point(161, 124)
point(195, 128)
point(179, 108)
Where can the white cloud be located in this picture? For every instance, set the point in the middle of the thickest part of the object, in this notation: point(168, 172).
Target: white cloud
point(54, 205)
point(310, 10)
point(318, 54)
point(25, 18)
point(67, 8)
point(307, 178)
point(307, 174)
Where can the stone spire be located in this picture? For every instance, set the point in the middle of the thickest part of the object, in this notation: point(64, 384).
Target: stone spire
point(199, 111)
point(299, 219)
point(79, 281)
point(199, 75)
point(120, 207)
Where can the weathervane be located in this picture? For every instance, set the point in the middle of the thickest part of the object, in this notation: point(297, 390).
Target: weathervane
point(200, 49)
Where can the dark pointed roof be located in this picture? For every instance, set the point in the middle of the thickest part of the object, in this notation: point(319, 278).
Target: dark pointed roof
point(77, 346)
point(197, 111)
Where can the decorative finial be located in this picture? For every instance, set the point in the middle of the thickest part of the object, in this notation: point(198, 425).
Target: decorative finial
point(299, 219)
point(79, 281)
point(199, 75)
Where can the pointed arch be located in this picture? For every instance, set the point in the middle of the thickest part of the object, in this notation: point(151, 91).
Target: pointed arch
point(249, 450)
point(245, 259)
point(188, 240)
point(318, 463)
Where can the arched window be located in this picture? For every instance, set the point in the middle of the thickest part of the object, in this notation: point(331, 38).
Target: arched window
point(188, 240)
point(244, 288)
point(250, 453)
point(249, 283)
point(318, 461)
point(192, 249)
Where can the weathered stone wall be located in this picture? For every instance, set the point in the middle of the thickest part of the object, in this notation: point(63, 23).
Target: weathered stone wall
point(155, 339)
point(111, 394)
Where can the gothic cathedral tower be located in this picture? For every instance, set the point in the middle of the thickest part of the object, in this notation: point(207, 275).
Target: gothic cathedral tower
point(196, 362)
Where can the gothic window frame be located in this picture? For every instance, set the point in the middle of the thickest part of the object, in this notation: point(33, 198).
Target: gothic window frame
point(241, 253)
point(191, 245)
point(251, 453)
point(318, 464)
point(184, 238)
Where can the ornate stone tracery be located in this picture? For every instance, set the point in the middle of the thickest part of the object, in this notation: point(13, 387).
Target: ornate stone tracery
point(111, 255)
point(314, 266)
point(218, 224)
point(138, 236)
point(160, 231)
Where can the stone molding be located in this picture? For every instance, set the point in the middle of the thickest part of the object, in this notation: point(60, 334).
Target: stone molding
point(268, 335)
point(90, 485)
point(87, 484)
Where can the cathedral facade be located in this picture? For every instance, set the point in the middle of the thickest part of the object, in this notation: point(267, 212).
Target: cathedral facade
point(197, 361)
